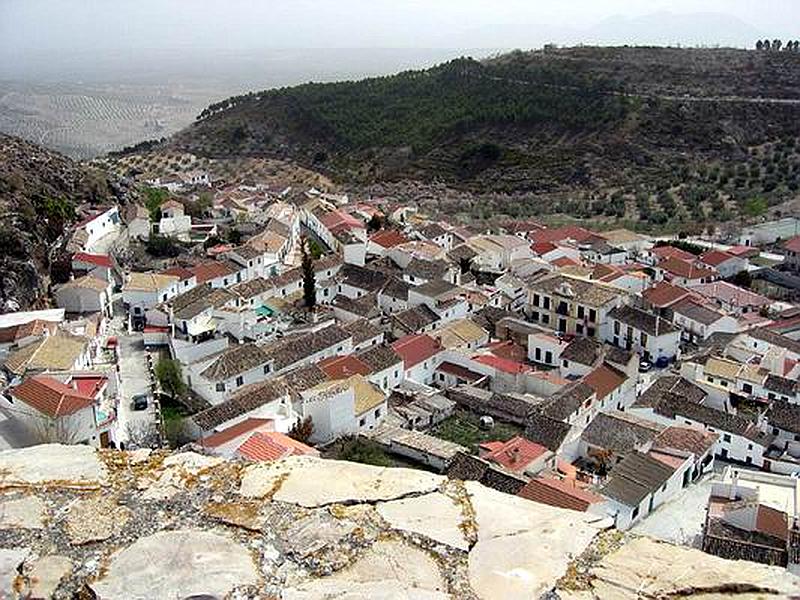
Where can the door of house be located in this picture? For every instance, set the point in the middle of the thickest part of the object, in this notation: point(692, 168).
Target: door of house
point(104, 440)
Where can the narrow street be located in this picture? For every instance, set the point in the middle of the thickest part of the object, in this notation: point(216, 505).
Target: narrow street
point(134, 379)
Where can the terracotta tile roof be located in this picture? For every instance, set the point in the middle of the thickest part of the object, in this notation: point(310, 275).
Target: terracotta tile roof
point(414, 349)
point(101, 260)
point(51, 397)
point(36, 327)
point(565, 261)
point(234, 431)
point(459, 371)
point(211, 270)
point(542, 248)
point(664, 294)
point(687, 439)
point(559, 493)
point(772, 522)
point(502, 364)
point(388, 238)
point(715, 258)
point(569, 232)
point(380, 357)
point(604, 380)
point(181, 273)
point(672, 252)
point(730, 294)
point(515, 454)
point(685, 269)
point(272, 445)
point(342, 367)
point(793, 244)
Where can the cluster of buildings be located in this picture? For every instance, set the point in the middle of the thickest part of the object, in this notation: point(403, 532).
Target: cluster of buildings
point(628, 365)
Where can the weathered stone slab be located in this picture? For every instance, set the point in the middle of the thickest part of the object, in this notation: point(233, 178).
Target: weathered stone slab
point(47, 573)
point(22, 513)
point(95, 519)
point(523, 547)
point(55, 464)
point(313, 482)
point(647, 568)
point(10, 561)
point(192, 462)
point(312, 533)
point(177, 564)
point(389, 570)
point(433, 515)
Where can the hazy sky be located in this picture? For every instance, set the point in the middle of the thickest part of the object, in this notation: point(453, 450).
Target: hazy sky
point(40, 34)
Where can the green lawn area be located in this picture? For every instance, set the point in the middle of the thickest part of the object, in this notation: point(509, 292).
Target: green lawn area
point(463, 428)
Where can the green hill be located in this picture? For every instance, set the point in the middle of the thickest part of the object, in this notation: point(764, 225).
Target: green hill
point(657, 134)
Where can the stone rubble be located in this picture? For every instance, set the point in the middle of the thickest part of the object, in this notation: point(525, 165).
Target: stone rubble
point(310, 528)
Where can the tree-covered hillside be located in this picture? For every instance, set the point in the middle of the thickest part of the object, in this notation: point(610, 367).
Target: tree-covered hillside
point(658, 135)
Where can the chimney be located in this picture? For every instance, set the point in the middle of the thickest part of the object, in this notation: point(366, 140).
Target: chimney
point(734, 486)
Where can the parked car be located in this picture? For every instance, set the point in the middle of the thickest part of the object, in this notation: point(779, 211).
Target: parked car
point(645, 366)
point(662, 362)
point(140, 402)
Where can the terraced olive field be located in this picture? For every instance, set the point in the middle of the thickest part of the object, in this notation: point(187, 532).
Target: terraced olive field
point(84, 121)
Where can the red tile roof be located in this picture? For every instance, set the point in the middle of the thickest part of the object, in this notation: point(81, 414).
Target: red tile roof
point(515, 454)
point(743, 251)
point(664, 294)
point(414, 349)
point(210, 270)
point(564, 261)
point(101, 260)
point(459, 371)
point(559, 493)
point(685, 269)
point(179, 272)
point(604, 380)
point(508, 349)
point(569, 232)
point(672, 252)
point(687, 439)
point(793, 244)
point(271, 445)
point(715, 258)
point(89, 385)
point(388, 238)
point(772, 522)
point(502, 364)
point(51, 397)
point(234, 431)
point(336, 220)
point(342, 367)
point(542, 248)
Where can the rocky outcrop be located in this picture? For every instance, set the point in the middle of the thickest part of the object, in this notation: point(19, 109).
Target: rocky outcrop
point(112, 525)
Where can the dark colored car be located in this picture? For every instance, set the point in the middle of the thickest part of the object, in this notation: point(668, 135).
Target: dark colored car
point(140, 402)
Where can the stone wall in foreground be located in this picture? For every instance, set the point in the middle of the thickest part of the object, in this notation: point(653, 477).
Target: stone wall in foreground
point(80, 523)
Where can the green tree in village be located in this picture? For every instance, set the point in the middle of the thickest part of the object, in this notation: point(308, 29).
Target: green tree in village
point(168, 373)
point(309, 279)
point(153, 199)
point(755, 207)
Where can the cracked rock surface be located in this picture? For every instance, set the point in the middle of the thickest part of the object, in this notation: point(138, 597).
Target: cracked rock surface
point(81, 524)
